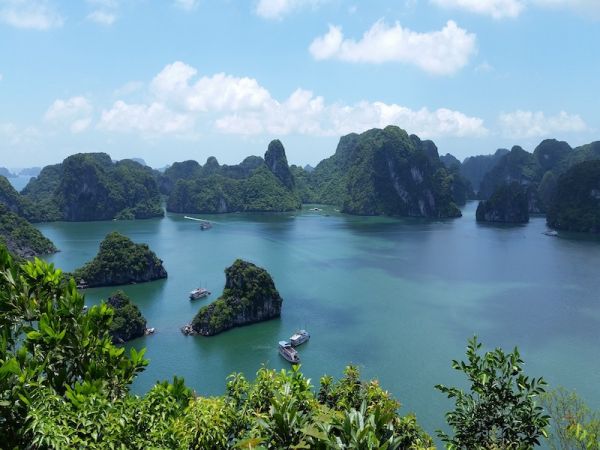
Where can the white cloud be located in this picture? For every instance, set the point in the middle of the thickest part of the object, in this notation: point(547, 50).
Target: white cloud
point(181, 101)
point(581, 6)
point(33, 14)
point(218, 92)
point(442, 52)
point(303, 113)
point(277, 9)
point(150, 120)
point(14, 135)
point(187, 5)
point(75, 111)
point(498, 9)
point(102, 17)
point(528, 124)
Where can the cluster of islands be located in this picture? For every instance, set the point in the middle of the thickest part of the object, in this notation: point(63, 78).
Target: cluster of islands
point(378, 172)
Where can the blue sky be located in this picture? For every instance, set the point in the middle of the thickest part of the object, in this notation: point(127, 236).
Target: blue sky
point(185, 79)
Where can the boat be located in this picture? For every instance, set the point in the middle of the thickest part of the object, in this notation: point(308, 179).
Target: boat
point(199, 293)
point(299, 337)
point(552, 233)
point(205, 226)
point(288, 352)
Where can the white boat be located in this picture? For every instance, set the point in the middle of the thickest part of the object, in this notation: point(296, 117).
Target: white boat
point(288, 352)
point(552, 233)
point(199, 293)
point(299, 337)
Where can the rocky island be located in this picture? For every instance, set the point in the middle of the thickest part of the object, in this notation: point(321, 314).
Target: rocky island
point(576, 205)
point(21, 238)
point(508, 204)
point(249, 296)
point(120, 261)
point(128, 322)
point(254, 185)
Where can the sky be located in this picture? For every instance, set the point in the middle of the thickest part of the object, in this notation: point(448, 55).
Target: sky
point(170, 80)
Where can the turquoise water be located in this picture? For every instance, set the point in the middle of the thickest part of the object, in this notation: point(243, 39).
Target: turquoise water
point(397, 297)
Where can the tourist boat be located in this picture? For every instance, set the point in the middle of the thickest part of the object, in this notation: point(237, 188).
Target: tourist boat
point(299, 337)
point(199, 293)
point(288, 352)
point(205, 226)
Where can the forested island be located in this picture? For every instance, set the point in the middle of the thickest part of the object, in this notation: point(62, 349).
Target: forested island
point(120, 261)
point(127, 322)
point(508, 204)
point(249, 296)
point(90, 186)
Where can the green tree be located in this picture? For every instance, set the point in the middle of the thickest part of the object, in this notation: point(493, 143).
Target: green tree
point(573, 424)
point(500, 411)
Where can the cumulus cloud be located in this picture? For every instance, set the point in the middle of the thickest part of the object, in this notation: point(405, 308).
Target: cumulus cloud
point(104, 11)
point(528, 124)
point(76, 112)
point(498, 9)
point(150, 120)
point(442, 52)
point(102, 17)
point(277, 9)
point(32, 14)
point(218, 92)
point(15, 136)
point(182, 100)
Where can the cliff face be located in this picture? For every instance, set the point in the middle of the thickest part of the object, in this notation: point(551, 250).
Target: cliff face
point(277, 163)
point(509, 204)
point(249, 296)
point(387, 172)
point(89, 186)
point(20, 237)
point(120, 261)
point(576, 205)
point(254, 185)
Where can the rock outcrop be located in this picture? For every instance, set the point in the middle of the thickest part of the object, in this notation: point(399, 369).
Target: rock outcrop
point(120, 261)
point(128, 322)
point(90, 186)
point(21, 238)
point(277, 163)
point(509, 204)
point(249, 296)
point(576, 205)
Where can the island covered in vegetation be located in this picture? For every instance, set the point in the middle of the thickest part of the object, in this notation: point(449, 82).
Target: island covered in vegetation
point(127, 322)
point(249, 296)
point(90, 186)
point(257, 185)
point(509, 204)
point(576, 205)
point(120, 261)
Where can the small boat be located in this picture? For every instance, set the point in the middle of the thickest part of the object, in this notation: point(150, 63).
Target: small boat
point(205, 226)
point(315, 209)
point(199, 293)
point(299, 337)
point(149, 331)
point(552, 233)
point(288, 352)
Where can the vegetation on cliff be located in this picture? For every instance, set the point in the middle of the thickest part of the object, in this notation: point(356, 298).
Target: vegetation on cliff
point(249, 296)
point(509, 204)
point(63, 384)
point(128, 322)
point(384, 172)
point(89, 186)
point(255, 185)
point(21, 238)
point(576, 205)
point(121, 261)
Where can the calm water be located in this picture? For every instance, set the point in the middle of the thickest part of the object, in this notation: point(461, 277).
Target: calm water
point(397, 297)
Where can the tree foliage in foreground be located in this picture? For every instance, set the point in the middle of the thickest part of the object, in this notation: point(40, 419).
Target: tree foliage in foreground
point(500, 411)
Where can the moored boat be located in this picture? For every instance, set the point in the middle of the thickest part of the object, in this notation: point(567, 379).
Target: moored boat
point(288, 352)
point(299, 337)
point(199, 293)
